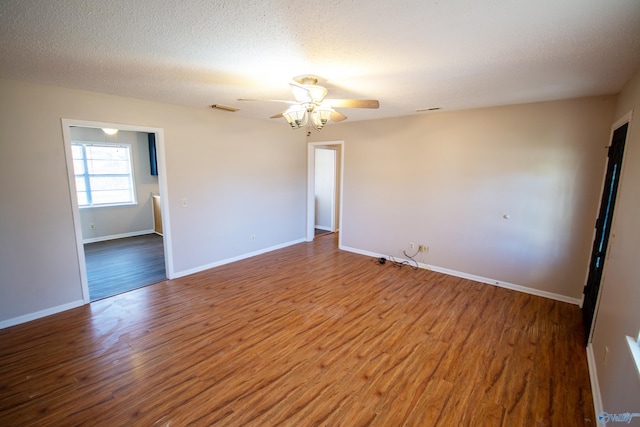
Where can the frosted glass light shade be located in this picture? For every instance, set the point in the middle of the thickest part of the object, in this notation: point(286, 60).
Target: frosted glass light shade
point(317, 93)
point(309, 93)
point(296, 116)
point(320, 117)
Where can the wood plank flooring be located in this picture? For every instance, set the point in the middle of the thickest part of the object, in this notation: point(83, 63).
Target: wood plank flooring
point(303, 336)
point(120, 265)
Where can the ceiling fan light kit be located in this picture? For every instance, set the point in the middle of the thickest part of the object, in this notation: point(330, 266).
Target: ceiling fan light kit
point(310, 105)
point(305, 92)
point(299, 115)
point(296, 116)
point(320, 117)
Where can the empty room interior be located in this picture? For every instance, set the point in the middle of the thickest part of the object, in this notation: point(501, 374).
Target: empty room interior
point(357, 213)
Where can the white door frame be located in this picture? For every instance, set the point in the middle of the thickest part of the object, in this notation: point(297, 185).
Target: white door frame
point(75, 210)
point(311, 183)
point(332, 209)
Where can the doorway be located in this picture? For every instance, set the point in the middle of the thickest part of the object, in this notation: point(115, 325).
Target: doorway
point(603, 225)
point(324, 190)
point(106, 230)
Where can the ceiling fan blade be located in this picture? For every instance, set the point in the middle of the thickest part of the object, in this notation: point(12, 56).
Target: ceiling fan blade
point(337, 116)
point(352, 103)
point(277, 116)
point(268, 100)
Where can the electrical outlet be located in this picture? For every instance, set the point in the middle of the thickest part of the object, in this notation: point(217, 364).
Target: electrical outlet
point(423, 248)
point(92, 226)
point(253, 237)
point(411, 245)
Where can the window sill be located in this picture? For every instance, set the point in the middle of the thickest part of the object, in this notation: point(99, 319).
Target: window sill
point(114, 205)
point(634, 348)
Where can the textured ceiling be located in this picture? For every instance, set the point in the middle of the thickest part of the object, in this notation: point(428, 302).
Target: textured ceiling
point(409, 54)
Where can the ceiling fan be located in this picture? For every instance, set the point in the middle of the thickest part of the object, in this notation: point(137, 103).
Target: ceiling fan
point(310, 104)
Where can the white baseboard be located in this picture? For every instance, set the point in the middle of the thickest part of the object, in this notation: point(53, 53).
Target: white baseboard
point(475, 278)
point(118, 236)
point(507, 285)
point(322, 227)
point(595, 386)
point(38, 314)
point(237, 258)
point(53, 310)
point(57, 309)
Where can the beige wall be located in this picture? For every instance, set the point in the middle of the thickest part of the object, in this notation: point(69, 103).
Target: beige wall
point(446, 180)
point(241, 178)
point(619, 307)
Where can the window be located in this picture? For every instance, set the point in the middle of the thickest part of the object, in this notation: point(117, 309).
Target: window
point(103, 174)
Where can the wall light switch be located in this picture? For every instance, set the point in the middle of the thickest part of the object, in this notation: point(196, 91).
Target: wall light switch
point(184, 202)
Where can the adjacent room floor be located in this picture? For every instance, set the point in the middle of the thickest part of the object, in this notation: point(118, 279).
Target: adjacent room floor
point(319, 232)
point(120, 265)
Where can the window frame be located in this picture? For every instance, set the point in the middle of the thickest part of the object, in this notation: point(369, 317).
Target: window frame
point(86, 175)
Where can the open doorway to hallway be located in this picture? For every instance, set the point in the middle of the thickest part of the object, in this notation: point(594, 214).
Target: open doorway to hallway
point(324, 192)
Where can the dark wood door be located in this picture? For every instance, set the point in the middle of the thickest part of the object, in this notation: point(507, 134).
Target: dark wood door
point(603, 226)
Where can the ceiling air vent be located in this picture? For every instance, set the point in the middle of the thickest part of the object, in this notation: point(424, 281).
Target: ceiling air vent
point(224, 108)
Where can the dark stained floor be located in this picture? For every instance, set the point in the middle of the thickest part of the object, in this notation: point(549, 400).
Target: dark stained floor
point(120, 265)
point(319, 232)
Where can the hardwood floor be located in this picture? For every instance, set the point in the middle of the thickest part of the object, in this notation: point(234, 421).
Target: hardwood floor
point(120, 265)
point(305, 335)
